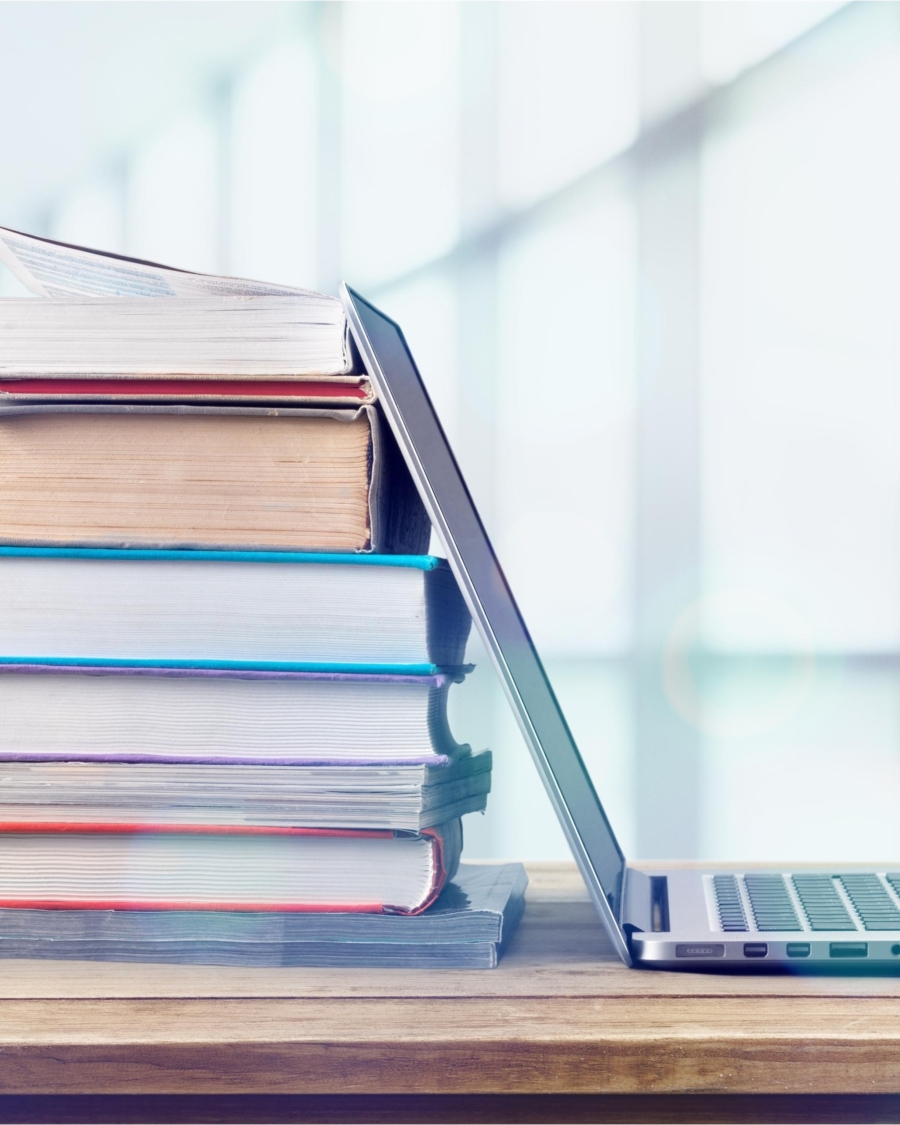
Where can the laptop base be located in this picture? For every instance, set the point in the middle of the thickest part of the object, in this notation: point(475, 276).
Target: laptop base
point(837, 918)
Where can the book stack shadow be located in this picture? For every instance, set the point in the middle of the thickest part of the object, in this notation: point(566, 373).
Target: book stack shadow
point(225, 653)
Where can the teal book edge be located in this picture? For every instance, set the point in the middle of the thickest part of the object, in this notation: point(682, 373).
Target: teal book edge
point(232, 665)
point(410, 562)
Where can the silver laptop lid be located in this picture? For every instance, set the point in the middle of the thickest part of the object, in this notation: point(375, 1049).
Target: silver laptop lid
point(421, 438)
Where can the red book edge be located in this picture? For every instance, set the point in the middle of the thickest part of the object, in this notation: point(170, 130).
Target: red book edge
point(439, 874)
point(182, 904)
point(183, 388)
point(91, 827)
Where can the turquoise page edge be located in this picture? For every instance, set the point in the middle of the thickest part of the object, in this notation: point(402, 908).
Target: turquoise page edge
point(414, 562)
point(229, 665)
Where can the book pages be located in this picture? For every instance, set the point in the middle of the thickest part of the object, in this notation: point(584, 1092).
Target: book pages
point(54, 269)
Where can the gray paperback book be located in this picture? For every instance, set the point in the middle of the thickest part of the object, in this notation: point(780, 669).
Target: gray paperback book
point(468, 927)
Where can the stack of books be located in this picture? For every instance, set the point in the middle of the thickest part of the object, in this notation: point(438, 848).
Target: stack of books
point(224, 653)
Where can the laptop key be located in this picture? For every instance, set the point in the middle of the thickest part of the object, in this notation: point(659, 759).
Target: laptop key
point(871, 901)
point(821, 903)
point(728, 900)
point(771, 903)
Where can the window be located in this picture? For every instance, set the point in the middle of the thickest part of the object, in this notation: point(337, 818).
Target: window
point(93, 215)
point(399, 141)
point(568, 75)
point(273, 143)
point(565, 421)
point(173, 196)
point(647, 258)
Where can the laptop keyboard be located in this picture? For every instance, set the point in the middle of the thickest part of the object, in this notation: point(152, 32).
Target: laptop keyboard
point(794, 903)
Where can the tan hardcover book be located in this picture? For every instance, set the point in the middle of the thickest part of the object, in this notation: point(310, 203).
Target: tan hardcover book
point(205, 477)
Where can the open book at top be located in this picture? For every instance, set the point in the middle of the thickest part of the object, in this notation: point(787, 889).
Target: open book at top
point(56, 269)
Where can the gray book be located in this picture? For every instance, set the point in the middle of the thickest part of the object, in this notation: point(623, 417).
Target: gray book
point(468, 927)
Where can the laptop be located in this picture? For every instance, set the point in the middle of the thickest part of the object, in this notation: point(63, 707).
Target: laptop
point(836, 917)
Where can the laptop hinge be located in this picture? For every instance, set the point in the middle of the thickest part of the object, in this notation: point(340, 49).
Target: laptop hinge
point(645, 902)
point(637, 905)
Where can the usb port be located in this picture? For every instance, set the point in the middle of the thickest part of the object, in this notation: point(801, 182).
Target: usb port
point(849, 949)
point(755, 949)
point(798, 949)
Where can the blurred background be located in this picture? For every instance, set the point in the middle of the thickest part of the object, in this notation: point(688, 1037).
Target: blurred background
point(648, 258)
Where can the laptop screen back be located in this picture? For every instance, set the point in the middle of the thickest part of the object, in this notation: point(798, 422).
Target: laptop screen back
point(419, 434)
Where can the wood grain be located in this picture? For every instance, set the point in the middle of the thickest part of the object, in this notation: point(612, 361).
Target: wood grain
point(559, 1016)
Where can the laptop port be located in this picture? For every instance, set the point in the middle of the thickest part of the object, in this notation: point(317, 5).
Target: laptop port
point(712, 949)
point(755, 949)
point(798, 949)
point(849, 949)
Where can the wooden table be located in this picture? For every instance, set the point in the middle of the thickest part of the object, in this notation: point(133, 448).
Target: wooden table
point(560, 1031)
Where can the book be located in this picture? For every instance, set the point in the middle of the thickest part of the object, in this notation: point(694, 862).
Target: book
point(468, 927)
point(107, 319)
point(49, 268)
point(404, 797)
point(205, 476)
point(400, 613)
point(237, 337)
point(115, 866)
point(88, 361)
point(220, 716)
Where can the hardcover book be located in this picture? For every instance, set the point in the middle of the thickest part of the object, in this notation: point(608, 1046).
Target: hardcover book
point(205, 476)
point(222, 715)
point(401, 613)
point(120, 866)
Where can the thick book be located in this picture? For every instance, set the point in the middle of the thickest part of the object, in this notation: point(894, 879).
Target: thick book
point(399, 613)
point(404, 797)
point(116, 866)
point(468, 927)
point(205, 476)
point(220, 716)
point(107, 319)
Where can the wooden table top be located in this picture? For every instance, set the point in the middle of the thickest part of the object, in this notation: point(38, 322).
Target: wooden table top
point(560, 1014)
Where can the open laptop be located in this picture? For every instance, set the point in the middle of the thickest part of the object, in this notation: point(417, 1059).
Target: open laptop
point(833, 916)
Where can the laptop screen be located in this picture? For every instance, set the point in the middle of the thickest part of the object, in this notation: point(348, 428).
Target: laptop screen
point(494, 610)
